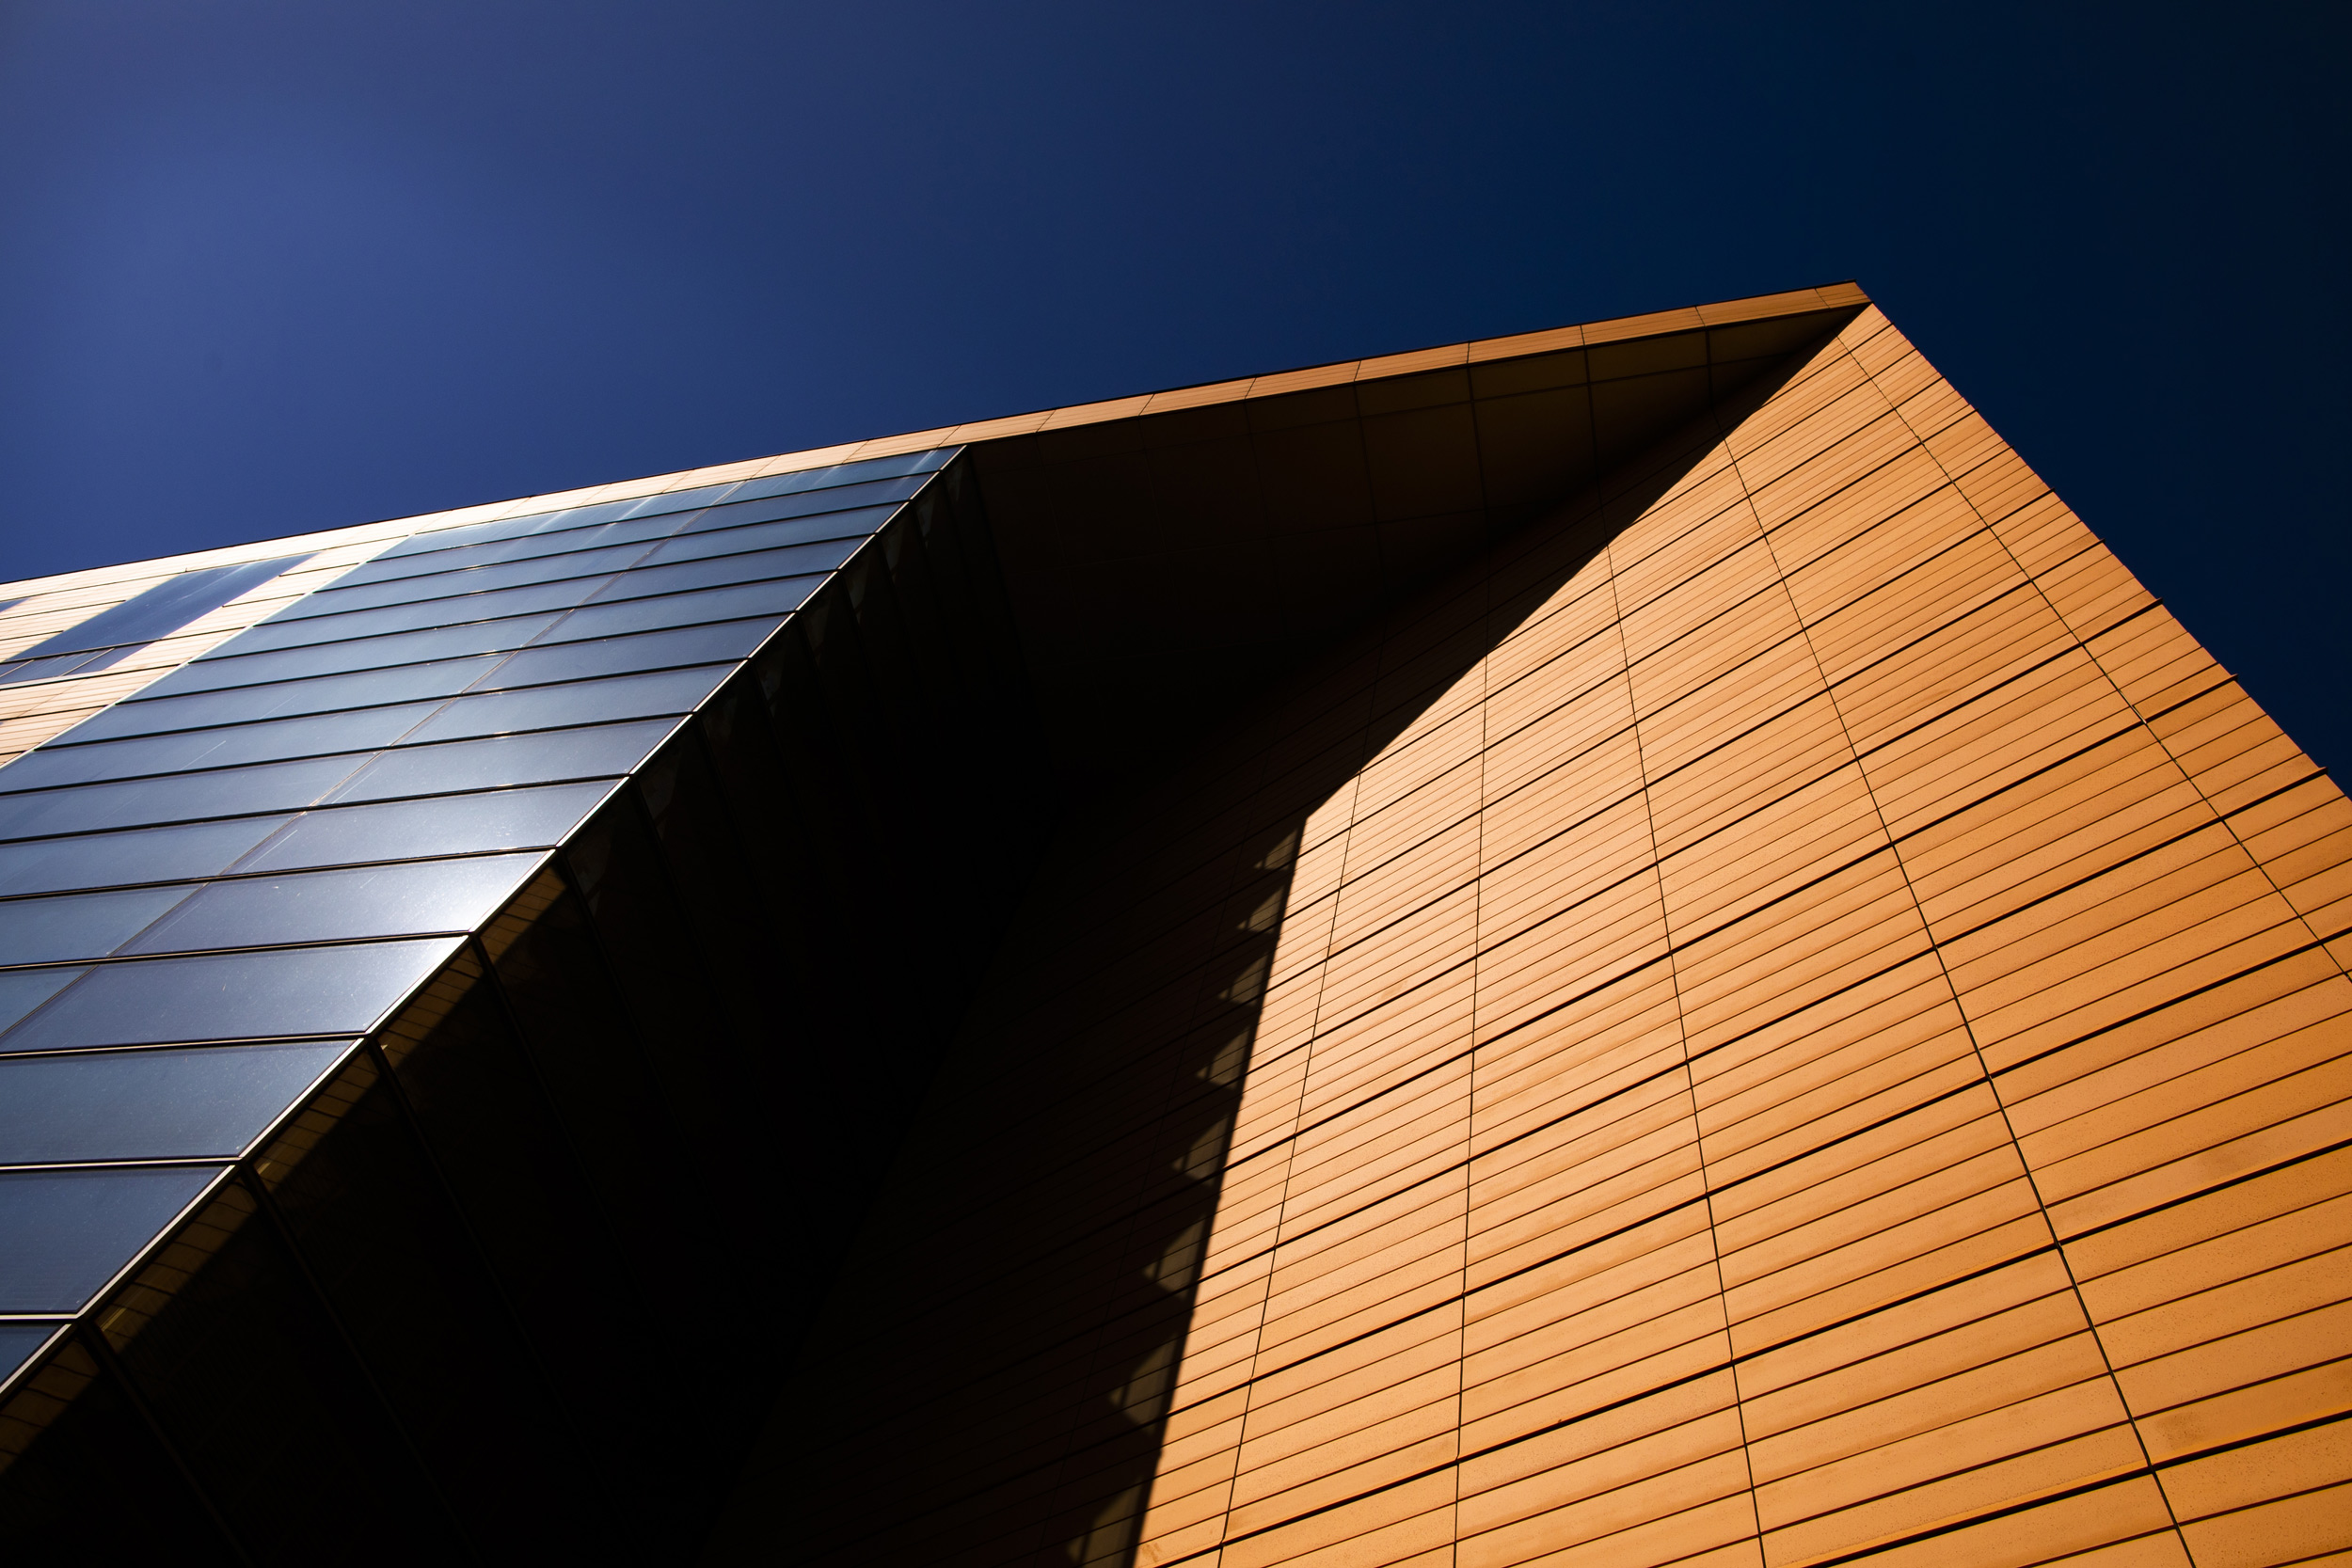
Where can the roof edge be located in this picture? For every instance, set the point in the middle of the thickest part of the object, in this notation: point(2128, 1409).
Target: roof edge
point(1826, 297)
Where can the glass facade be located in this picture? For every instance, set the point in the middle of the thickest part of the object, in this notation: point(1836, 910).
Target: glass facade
point(422, 1016)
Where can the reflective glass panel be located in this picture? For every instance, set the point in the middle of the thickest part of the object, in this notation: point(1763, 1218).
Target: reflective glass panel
point(367, 730)
point(20, 1342)
point(499, 762)
point(718, 571)
point(137, 802)
point(150, 854)
point(529, 545)
point(576, 703)
point(64, 1234)
point(449, 825)
point(860, 524)
point(306, 990)
point(244, 705)
point(344, 597)
point(855, 500)
point(731, 639)
point(680, 610)
point(27, 989)
point(80, 924)
point(849, 473)
point(340, 906)
point(48, 669)
point(680, 500)
point(218, 669)
point(419, 614)
point(182, 1104)
point(476, 533)
point(163, 608)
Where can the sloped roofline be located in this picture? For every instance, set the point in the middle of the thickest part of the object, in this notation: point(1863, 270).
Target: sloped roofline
point(1616, 329)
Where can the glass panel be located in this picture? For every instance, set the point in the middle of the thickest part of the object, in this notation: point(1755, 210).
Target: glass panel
point(680, 500)
point(218, 671)
point(24, 991)
point(273, 786)
point(245, 704)
point(44, 669)
point(577, 702)
point(80, 926)
point(719, 570)
point(20, 1343)
point(368, 730)
point(680, 610)
point(479, 533)
point(857, 501)
point(308, 990)
point(451, 825)
point(533, 546)
point(848, 473)
point(424, 611)
point(346, 596)
point(583, 659)
point(340, 906)
point(860, 524)
point(163, 608)
point(502, 761)
point(152, 854)
point(64, 1234)
point(152, 1104)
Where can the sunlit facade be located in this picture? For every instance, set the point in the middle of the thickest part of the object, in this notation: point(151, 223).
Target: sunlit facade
point(1620, 946)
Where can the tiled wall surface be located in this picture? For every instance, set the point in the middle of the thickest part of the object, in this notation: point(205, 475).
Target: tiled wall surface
point(1830, 1039)
point(1795, 1018)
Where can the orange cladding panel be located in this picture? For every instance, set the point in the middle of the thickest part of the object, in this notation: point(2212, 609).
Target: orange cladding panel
point(1792, 1016)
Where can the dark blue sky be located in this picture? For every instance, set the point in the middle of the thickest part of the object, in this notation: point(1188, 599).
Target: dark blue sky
point(274, 267)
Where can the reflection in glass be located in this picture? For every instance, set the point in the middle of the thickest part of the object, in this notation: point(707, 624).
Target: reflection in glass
point(859, 524)
point(340, 906)
point(719, 570)
point(680, 610)
point(247, 704)
point(64, 1234)
point(577, 702)
point(220, 668)
point(79, 926)
point(307, 990)
point(17, 1341)
point(163, 608)
point(23, 989)
point(138, 802)
point(416, 616)
point(605, 751)
point(149, 854)
point(67, 763)
point(446, 583)
point(579, 660)
point(451, 825)
point(190, 1103)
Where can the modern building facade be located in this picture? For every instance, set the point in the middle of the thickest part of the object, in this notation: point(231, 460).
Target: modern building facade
point(1620, 946)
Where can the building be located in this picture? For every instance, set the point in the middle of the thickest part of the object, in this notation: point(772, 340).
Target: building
point(1620, 946)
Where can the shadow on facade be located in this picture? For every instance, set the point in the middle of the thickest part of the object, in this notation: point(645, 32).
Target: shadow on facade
point(991, 1378)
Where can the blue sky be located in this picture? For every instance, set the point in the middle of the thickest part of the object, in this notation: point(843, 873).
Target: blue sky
point(275, 266)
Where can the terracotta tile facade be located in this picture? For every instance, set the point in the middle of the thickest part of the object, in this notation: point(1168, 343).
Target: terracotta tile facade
point(1790, 1015)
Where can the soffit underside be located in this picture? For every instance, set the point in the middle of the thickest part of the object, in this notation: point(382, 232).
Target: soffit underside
point(1166, 565)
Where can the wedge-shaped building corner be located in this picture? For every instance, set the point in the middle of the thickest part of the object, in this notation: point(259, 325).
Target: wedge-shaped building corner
point(1621, 946)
